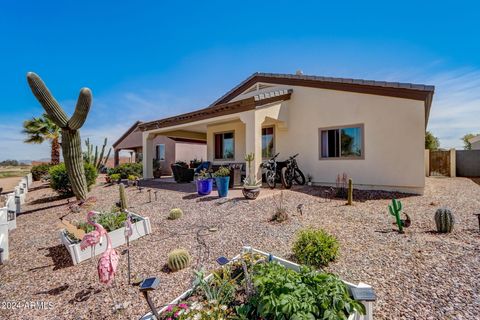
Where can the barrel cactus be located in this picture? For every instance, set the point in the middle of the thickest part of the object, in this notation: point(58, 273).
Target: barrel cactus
point(175, 214)
point(123, 197)
point(444, 220)
point(178, 259)
point(71, 143)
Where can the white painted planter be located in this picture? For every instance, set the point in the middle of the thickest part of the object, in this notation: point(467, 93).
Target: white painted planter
point(287, 264)
point(139, 229)
point(4, 233)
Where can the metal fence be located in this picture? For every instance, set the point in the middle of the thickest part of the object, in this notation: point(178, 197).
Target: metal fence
point(468, 163)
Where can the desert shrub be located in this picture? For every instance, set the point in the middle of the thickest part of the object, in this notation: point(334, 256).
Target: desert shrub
point(59, 178)
point(40, 171)
point(127, 169)
point(315, 247)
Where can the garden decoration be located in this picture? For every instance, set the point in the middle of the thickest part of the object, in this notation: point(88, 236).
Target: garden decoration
point(341, 184)
point(123, 197)
point(280, 213)
point(155, 193)
point(222, 179)
point(350, 192)
point(128, 233)
point(108, 262)
point(71, 143)
point(478, 217)
point(444, 220)
point(149, 195)
point(98, 161)
point(395, 210)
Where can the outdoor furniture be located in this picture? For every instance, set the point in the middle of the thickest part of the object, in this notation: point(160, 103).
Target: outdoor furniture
point(203, 166)
point(182, 174)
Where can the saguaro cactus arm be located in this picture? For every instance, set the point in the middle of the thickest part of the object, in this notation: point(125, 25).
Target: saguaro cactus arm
point(81, 110)
point(46, 99)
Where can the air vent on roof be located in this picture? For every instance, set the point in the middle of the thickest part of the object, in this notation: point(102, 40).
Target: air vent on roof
point(299, 72)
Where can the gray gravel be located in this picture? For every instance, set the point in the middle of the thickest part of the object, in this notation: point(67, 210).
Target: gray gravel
point(418, 275)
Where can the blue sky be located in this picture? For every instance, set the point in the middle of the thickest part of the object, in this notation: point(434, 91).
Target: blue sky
point(149, 59)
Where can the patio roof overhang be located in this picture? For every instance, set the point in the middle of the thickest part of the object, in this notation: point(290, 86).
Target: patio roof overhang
point(223, 109)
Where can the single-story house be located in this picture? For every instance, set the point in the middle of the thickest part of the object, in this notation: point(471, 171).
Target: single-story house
point(475, 142)
point(373, 131)
point(167, 149)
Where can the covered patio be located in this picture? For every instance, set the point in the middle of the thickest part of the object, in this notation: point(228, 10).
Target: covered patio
point(231, 130)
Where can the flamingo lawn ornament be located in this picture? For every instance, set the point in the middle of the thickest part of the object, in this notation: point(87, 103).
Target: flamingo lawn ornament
point(128, 233)
point(108, 262)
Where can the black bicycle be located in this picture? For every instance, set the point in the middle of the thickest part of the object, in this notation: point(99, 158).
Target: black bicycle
point(291, 173)
point(271, 172)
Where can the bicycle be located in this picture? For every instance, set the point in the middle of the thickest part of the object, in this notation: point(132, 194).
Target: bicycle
point(271, 171)
point(291, 173)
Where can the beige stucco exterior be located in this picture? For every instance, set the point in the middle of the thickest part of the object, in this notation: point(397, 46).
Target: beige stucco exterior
point(394, 130)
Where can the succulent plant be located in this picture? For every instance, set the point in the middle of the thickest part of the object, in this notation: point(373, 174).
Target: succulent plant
point(175, 214)
point(178, 259)
point(71, 143)
point(123, 197)
point(395, 210)
point(444, 220)
point(350, 192)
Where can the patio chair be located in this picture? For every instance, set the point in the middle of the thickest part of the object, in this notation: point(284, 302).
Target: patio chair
point(182, 174)
point(206, 165)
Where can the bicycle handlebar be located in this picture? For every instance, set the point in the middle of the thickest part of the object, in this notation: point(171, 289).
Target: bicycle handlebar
point(294, 156)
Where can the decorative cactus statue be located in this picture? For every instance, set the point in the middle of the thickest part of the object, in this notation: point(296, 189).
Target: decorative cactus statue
point(123, 197)
point(444, 220)
point(175, 213)
point(94, 158)
point(178, 259)
point(350, 192)
point(71, 143)
point(395, 210)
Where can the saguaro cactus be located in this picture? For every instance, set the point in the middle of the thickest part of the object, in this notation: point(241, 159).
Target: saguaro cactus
point(71, 143)
point(123, 197)
point(395, 210)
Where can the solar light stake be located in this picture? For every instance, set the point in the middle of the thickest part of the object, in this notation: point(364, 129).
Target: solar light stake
point(155, 195)
point(147, 285)
point(149, 195)
point(478, 216)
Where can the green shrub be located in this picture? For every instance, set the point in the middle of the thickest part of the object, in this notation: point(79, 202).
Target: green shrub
point(315, 247)
point(115, 176)
point(127, 169)
point(59, 178)
point(40, 171)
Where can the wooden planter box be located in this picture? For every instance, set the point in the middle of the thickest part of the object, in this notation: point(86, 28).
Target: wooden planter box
point(139, 229)
point(287, 264)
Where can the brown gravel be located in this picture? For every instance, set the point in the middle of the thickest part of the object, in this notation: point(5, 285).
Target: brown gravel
point(418, 275)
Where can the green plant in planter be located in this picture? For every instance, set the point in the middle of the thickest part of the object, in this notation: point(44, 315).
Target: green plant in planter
point(222, 172)
point(315, 247)
point(203, 175)
point(251, 182)
point(178, 259)
point(109, 220)
point(444, 220)
point(175, 214)
point(282, 293)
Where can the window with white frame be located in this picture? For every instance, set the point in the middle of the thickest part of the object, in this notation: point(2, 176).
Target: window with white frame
point(160, 152)
point(342, 142)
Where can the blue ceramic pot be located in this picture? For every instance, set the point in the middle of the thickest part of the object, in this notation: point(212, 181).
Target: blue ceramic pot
point(222, 186)
point(204, 186)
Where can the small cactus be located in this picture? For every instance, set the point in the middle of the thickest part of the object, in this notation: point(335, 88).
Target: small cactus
point(178, 259)
point(175, 214)
point(123, 197)
point(350, 192)
point(444, 220)
point(395, 210)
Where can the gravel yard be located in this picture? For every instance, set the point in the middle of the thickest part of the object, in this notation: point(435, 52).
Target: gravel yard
point(418, 275)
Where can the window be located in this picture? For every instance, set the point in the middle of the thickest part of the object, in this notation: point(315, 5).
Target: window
point(268, 144)
point(346, 142)
point(224, 145)
point(160, 152)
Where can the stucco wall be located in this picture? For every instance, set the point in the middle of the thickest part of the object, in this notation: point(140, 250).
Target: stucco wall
point(239, 129)
point(394, 131)
point(476, 145)
point(189, 151)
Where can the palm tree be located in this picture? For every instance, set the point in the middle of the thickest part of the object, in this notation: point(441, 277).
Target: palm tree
point(40, 129)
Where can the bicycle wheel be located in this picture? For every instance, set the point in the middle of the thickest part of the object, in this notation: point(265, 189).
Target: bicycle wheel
point(299, 177)
point(285, 176)
point(270, 178)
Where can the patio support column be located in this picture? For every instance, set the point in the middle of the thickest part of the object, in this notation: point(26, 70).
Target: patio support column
point(253, 138)
point(116, 158)
point(148, 153)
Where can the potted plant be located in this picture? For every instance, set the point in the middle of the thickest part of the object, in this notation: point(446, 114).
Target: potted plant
point(222, 179)
point(309, 179)
point(195, 163)
point(157, 169)
point(132, 180)
point(251, 186)
point(204, 183)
